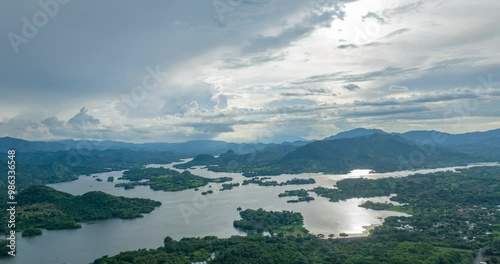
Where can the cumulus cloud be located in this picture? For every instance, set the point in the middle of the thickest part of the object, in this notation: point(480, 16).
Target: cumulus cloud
point(299, 66)
point(83, 119)
point(198, 98)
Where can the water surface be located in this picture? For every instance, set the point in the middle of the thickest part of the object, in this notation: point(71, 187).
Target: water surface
point(189, 214)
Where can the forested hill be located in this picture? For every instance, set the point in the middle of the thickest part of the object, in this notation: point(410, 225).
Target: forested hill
point(45, 207)
point(35, 168)
point(380, 152)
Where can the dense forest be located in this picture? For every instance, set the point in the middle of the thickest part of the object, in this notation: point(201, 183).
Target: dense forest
point(44, 207)
point(264, 181)
point(39, 168)
point(379, 152)
point(279, 223)
point(166, 179)
point(450, 209)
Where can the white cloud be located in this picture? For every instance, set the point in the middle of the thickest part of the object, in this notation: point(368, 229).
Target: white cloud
point(265, 67)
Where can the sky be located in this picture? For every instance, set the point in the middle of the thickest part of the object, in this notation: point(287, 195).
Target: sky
point(246, 70)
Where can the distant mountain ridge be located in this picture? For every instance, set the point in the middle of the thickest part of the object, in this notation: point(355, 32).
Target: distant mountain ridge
point(416, 136)
point(190, 148)
point(357, 132)
point(380, 152)
point(214, 147)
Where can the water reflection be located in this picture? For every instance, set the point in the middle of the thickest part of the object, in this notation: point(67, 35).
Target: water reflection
point(189, 214)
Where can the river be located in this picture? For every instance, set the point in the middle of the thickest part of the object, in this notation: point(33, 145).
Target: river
point(189, 214)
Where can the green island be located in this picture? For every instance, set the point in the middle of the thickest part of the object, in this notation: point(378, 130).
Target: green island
point(264, 182)
point(303, 196)
point(229, 186)
point(207, 192)
point(161, 179)
point(44, 207)
point(279, 223)
point(379, 206)
point(453, 215)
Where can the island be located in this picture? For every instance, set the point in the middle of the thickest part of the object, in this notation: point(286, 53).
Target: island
point(165, 179)
point(264, 182)
point(279, 223)
point(229, 186)
point(44, 207)
point(303, 196)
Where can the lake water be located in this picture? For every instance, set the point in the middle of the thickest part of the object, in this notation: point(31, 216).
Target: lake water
point(190, 214)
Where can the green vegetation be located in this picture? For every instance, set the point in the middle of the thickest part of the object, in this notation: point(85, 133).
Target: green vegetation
point(300, 193)
point(44, 207)
point(282, 223)
point(30, 232)
point(262, 182)
point(4, 250)
point(382, 153)
point(40, 168)
point(165, 179)
point(229, 186)
point(303, 196)
point(379, 206)
point(448, 209)
point(288, 247)
point(111, 179)
point(452, 215)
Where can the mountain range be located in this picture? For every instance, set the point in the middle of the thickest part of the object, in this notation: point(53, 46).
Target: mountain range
point(215, 147)
point(361, 149)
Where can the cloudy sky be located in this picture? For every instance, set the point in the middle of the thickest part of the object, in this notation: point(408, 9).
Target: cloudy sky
point(246, 70)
